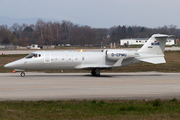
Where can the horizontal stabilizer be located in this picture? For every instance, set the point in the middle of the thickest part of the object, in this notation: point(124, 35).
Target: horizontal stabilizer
point(154, 60)
point(165, 36)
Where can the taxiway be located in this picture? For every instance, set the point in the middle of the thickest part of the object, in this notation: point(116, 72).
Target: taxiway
point(64, 86)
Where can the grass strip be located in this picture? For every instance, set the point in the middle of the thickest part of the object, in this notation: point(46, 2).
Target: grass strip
point(91, 109)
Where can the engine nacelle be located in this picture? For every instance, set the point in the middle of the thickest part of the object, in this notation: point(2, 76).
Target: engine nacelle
point(115, 55)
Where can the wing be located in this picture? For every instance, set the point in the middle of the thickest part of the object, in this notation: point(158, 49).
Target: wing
point(93, 67)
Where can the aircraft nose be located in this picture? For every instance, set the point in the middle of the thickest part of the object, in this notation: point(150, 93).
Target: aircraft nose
point(6, 65)
point(9, 65)
point(15, 64)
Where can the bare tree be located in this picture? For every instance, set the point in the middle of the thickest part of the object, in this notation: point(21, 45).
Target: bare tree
point(15, 28)
point(40, 26)
point(4, 33)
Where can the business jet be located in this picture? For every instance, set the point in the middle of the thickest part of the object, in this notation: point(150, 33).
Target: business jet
point(152, 52)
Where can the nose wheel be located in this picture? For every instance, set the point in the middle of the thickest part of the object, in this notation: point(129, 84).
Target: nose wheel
point(22, 74)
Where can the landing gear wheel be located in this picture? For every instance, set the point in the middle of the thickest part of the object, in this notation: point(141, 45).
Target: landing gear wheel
point(97, 75)
point(22, 74)
point(96, 72)
point(93, 73)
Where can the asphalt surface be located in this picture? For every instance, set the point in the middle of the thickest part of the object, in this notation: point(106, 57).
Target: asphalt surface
point(65, 86)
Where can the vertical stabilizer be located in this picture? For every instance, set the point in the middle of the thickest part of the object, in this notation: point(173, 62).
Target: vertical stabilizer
point(155, 45)
point(153, 50)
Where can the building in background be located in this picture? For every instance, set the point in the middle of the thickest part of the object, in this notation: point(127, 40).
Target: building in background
point(141, 41)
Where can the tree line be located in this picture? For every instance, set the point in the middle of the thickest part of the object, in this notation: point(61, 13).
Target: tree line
point(65, 32)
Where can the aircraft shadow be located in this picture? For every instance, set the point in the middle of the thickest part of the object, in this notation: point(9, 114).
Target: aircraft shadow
point(88, 75)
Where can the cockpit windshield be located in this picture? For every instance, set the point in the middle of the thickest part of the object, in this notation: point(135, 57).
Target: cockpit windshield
point(33, 55)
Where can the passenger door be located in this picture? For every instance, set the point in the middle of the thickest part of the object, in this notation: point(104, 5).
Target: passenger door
point(47, 58)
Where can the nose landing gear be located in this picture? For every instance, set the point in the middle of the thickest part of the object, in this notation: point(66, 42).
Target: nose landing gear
point(22, 74)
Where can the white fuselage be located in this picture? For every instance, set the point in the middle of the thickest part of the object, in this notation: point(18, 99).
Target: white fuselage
point(71, 60)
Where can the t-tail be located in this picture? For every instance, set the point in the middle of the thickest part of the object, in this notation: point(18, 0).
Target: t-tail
point(153, 50)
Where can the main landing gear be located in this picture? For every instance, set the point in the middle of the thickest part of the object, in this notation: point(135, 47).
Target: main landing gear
point(22, 74)
point(95, 72)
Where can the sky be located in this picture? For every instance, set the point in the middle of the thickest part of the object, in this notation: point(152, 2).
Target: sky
point(97, 13)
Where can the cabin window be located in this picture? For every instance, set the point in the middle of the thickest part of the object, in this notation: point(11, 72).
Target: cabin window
point(29, 56)
point(69, 58)
point(146, 41)
point(136, 41)
point(39, 55)
point(76, 58)
point(169, 40)
point(82, 58)
point(140, 41)
point(62, 58)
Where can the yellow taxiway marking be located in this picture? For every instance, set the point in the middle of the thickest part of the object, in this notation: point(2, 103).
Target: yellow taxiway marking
point(109, 83)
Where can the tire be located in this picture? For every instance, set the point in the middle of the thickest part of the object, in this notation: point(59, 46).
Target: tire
point(22, 74)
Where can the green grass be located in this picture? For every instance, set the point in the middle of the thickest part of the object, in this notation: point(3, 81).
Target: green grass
point(91, 109)
point(13, 56)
